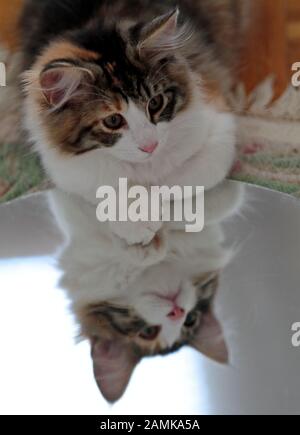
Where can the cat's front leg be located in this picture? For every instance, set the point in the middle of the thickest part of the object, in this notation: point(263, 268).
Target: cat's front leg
point(140, 243)
point(133, 233)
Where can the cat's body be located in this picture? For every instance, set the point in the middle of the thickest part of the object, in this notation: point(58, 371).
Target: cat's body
point(134, 89)
point(91, 256)
point(115, 89)
point(115, 300)
point(202, 138)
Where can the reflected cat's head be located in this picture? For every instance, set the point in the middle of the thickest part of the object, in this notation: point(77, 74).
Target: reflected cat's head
point(157, 323)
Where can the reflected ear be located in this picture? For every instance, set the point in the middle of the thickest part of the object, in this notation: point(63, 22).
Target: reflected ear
point(114, 363)
point(210, 339)
point(60, 82)
point(162, 33)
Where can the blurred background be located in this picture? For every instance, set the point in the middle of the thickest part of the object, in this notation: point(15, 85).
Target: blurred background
point(273, 42)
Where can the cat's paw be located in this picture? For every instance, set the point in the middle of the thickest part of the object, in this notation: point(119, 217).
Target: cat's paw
point(136, 233)
point(145, 255)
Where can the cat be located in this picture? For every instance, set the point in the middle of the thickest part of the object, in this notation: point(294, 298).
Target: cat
point(130, 89)
point(128, 311)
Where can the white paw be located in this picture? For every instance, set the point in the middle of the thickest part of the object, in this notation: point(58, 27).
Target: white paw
point(145, 255)
point(134, 233)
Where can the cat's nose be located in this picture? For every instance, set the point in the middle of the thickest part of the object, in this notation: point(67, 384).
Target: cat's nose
point(149, 149)
point(177, 313)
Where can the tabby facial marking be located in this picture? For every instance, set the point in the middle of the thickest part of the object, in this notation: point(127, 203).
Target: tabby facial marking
point(111, 90)
point(122, 336)
point(119, 89)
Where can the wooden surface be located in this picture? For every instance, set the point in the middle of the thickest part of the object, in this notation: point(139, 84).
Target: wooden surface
point(265, 49)
point(272, 42)
point(293, 31)
point(9, 14)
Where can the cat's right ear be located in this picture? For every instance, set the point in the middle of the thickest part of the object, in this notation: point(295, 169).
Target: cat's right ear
point(210, 340)
point(60, 82)
point(114, 363)
point(161, 34)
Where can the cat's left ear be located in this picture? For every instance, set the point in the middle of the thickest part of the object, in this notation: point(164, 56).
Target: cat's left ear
point(60, 82)
point(114, 363)
point(162, 33)
point(210, 339)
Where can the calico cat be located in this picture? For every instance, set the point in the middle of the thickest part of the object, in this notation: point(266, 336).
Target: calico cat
point(129, 311)
point(120, 337)
point(130, 89)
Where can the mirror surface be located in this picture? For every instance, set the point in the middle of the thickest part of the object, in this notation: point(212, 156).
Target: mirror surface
point(43, 370)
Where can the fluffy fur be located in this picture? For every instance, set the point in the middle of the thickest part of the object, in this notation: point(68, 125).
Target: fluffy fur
point(115, 299)
point(132, 89)
point(78, 78)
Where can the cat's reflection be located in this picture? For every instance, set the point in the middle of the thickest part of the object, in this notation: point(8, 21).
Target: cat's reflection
point(129, 311)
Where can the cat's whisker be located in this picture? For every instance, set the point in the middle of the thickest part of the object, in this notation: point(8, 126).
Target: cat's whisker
point(162, 79)
point(155, 71)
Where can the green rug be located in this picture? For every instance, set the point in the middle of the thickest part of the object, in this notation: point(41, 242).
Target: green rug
point(21, 172)
point(275, 171)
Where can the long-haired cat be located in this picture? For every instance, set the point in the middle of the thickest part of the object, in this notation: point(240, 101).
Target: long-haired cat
point(128, 311)
point(130, 89)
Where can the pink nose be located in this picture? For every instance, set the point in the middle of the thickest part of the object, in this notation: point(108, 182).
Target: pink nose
point(149, 148)
point(176, 314)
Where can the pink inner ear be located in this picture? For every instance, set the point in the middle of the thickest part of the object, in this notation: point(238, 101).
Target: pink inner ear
point(107, 350)
point(60, 84)
point(171, 25)
point(114, 363)
point(210, 327)
point(50, 82)
point(210, 339)
point(160, 32)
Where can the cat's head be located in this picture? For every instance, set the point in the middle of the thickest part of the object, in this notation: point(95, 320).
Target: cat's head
point(113, 88)
point(159, 322)
point(123, 90)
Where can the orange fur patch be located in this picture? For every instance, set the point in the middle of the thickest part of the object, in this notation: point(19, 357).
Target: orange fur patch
point(95, 325)
point(214, 96)
point(64, 49)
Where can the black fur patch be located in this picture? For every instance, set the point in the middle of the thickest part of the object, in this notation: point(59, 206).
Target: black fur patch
point(97, 27)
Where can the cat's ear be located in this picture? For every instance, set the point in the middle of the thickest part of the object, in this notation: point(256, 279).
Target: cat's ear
point(210, 339)
point(163, 33)
point(60, 82)
point(114, 363)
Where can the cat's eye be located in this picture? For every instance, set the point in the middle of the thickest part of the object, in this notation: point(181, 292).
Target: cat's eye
point(191, 319)
point(114, 122)
point(150, 332)
point(156, 104)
